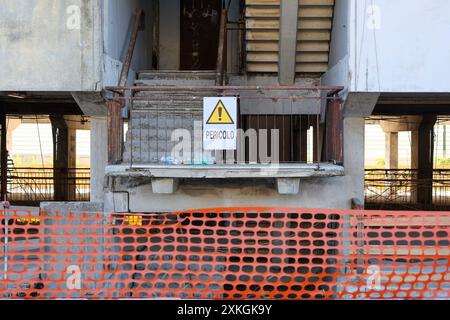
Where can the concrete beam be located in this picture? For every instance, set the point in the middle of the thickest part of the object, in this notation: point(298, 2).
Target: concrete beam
point(288, 186)
point(90, 103)
point(402, 124)
point(288, 41)
point(360, 104)
point(164, 186)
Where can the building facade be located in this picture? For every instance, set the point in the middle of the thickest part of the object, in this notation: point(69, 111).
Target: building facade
point(307, 75)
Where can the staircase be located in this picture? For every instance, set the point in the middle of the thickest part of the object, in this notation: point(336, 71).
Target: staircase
point(156, 114)
point(315, 19)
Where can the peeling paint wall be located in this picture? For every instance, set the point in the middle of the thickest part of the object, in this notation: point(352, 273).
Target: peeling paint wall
point(48, 45)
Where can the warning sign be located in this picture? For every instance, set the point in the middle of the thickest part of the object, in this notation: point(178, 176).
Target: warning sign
point(220, 123)
point(220, 115)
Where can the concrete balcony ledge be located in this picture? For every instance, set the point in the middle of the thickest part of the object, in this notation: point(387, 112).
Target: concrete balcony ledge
point(226, 171)
point(165, 179)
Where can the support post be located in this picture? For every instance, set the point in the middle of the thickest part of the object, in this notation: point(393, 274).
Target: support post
point(222, 49)
point(304, 139)
point(426, 156)
point(4, 157)
point(334, 135)
point(72, 163)
point(414, 164)
point(391, 150)
point(316, 135)
point(288, 41)
point(115, 132)
point(60, 157)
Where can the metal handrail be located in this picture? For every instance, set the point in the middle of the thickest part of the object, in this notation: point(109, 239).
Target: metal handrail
point(222, 48)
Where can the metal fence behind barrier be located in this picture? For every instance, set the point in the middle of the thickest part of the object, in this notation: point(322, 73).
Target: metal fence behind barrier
point(389, 188)
point(34, 185)
point(240, 253)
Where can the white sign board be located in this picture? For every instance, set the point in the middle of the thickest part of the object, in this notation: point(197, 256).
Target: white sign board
point(220, 123)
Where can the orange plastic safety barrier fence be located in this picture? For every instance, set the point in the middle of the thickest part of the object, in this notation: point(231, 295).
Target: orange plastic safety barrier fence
point(243, 253)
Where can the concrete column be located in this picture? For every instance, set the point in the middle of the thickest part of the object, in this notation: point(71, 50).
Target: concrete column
point(60, 158)
point(99, 157)
point(415, 149)
point(426, 156)
point(354, 162)
point(288, 41)
point(72, 163)
point(4, 157)
point(414, 163)
point(13, 124)
point(391, 150)
point(72, 156)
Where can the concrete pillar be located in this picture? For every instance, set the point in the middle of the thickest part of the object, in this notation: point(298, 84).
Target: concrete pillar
point(60, 158)
point(414, 163)
point(72, 163)
point(426, 156)
point(72, 156)
point(99, 157)
point(415, 149)
point(13, 124)
point(288, 41)
point(391, 150)
point(4, 157)
point(354, 161)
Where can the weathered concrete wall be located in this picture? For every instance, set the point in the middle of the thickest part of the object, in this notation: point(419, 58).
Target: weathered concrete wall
point(118, 25)
point(99, 156)
point(393, 46)
point(48, 45)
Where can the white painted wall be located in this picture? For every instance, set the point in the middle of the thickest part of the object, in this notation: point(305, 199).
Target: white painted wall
point(407, 50)
point(44, 48)
point(118, 24)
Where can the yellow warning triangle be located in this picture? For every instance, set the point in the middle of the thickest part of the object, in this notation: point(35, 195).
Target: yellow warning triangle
point(220, 115)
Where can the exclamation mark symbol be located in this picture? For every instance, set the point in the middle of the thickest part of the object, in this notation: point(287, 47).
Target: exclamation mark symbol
point(220, 113)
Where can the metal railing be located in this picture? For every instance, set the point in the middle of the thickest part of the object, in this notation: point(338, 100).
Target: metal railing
point(398, 188)
point(34, 185)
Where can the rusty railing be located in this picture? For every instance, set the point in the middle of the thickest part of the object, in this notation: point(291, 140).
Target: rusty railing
point(34, 185)
point(399, 188)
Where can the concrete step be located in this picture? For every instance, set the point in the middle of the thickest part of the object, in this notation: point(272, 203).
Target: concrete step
point(175, 95)
point(174, 82)
point(176, 75)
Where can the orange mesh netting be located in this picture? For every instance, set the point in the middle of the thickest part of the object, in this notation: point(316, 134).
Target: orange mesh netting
point(248, 253)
